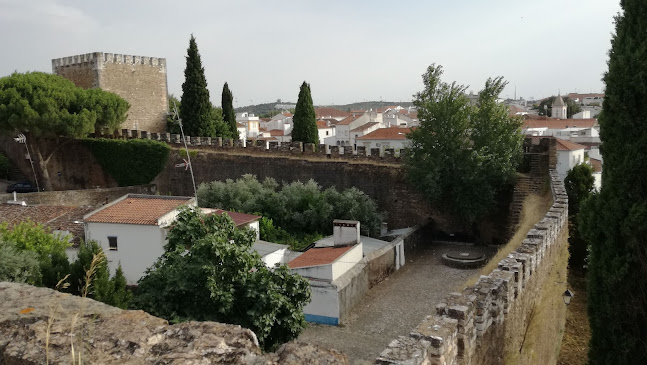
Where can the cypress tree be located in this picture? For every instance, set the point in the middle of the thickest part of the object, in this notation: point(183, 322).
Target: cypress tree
point(228, 110)
point(195, 107)
point(614, 221)
point(305, 120)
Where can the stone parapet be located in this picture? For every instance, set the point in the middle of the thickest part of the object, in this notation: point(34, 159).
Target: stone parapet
point(464, 322)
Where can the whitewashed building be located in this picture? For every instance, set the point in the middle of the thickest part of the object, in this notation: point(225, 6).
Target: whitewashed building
point(569, 154)
point(132, 230)
point(386, 138)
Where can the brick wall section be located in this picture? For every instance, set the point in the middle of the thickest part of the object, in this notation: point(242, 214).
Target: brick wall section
point(475, 326)
point(139, 80)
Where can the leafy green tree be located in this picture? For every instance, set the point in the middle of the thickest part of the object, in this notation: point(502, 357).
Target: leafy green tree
point(5, 165)
point(298, 208)
point(101, 286)
point(462, 155)
point(228, 113)
point(210, 273)
point(545, 107)
point(45, 105)
point(195, 110)
point(19, 266)
point(579, 186)
point(50, 249)
point(305, 119)
point(613, 221)
point(172, 125)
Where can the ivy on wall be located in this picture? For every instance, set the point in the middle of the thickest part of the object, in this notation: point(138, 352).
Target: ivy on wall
point(130, 162)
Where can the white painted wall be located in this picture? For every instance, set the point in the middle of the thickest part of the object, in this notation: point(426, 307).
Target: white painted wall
point(274, 258)
point(383, 144)
point(566, 160)
point(347, 261)
point(321, 272)
point(138, 246)
point(324, 300)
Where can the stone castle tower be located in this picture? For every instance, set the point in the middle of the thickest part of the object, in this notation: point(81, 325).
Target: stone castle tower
point(559, 108)
point(139, 80)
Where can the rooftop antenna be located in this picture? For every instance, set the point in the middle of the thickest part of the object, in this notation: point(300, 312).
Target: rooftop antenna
point(176, 115)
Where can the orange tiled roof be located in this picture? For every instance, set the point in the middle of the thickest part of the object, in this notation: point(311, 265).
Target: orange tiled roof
point(330, 112)
point(365, 127)
point(322, 124)
point(348, 120)
point(564, 145)
point(277, 132)
point(55, 217)
point(318, 256)
point(558, 123)
point(138, 209)
point(387, 133)
point(596, 164)
point(238, 218)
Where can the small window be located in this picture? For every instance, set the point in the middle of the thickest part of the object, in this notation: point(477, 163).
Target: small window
point(112, 243)
point(326, 132)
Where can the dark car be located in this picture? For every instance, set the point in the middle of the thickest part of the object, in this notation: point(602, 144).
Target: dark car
point(21, 187)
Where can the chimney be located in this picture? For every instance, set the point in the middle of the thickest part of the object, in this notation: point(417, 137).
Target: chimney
point(345, 233)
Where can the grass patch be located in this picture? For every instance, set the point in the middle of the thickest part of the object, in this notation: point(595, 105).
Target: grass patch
point(575, 345)
point(546, 326)
point(534, 209)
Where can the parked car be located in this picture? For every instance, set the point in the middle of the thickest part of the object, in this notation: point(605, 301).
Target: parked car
point(21, 187)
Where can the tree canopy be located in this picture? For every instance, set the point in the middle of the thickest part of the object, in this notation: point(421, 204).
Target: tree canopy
point(571, 106)
point(613, 221)
point(210, 273)
point(228, 113)
point(51, 106)
point(462, 155)
point(195, 110)
point(305, 119)
point(579, 185)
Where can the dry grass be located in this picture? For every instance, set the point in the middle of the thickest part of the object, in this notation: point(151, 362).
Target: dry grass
point(534, 209)
point(575, 345)
point(546, 326)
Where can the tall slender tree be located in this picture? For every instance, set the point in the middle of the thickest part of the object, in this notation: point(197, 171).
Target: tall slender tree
point(195, 107)
point(613, 221)
point(305, 120)
point(228, 114)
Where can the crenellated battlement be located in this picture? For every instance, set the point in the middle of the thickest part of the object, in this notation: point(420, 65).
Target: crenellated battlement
point(101, 59)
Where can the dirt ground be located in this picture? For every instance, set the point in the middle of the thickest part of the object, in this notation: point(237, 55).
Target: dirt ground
point(395, 306)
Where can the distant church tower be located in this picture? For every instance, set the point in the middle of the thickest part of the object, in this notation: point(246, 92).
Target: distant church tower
point(559, 108)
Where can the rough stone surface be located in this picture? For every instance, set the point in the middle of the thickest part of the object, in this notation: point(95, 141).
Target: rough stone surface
point(39, 325)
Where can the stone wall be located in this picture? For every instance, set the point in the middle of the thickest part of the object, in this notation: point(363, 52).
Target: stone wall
point(476, 325)
point(40, 325)
point(139, 80)
point(75, 198)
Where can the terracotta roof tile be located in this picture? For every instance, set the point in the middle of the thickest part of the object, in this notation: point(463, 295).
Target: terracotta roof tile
point(365, 127)
point(55, 217)
point(387, 133)
point(322, 124)
point(564, 145)
point(238, 218)
point(330, 112)
point(318, 256)
point(277, 132)
point(596, 164)
point(348, 120)
point(138, 209)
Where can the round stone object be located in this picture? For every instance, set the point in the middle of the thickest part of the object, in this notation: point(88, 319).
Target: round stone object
point(464, 259)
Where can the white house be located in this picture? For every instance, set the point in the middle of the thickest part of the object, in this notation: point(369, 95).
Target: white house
point(132, 230)
point(325, 130)
point(561, 128)
point(251, 123)
point(330, 113)
point(569, 154)
point(385, 138)
point(325, 263)
point(343, 130)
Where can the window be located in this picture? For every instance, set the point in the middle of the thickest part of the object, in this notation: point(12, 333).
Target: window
point(326, 132)
point(112, 243)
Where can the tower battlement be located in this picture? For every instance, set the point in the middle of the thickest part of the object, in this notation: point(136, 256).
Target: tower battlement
point(141, 80)
point(101, 58)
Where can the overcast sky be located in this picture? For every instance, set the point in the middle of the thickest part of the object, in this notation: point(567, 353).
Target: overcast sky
point(347, 50)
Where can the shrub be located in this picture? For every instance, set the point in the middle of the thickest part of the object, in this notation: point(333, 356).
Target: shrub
point(130, 162)
point(16, 265)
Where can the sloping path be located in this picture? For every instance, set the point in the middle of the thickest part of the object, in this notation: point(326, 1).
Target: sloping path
point(394, 307)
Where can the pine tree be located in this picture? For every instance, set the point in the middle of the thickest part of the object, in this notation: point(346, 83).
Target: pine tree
point(121, 296)
point(305, 120)
point(195, 108)
point(613, 221)
point(228, 110)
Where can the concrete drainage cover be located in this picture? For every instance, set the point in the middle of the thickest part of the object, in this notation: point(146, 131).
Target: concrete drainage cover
point(464, 259)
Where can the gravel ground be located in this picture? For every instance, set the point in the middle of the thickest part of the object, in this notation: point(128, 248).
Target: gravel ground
point(395, 306)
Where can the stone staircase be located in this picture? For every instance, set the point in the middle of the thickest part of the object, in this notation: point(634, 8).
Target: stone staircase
point(530, 183)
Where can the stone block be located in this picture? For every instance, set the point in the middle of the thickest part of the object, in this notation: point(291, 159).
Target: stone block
point(405, 351)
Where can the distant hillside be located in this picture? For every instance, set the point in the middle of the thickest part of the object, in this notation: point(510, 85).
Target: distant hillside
point(260, 109)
